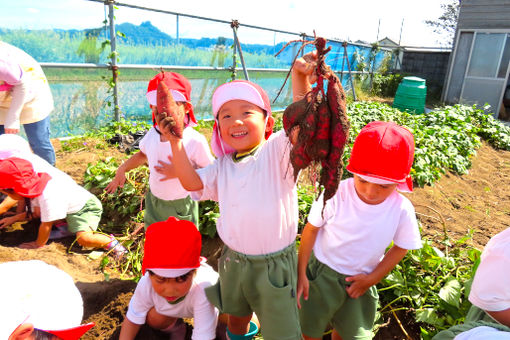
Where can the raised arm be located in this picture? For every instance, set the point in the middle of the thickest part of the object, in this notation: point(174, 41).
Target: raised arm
point(303, 75)
point(183, 168)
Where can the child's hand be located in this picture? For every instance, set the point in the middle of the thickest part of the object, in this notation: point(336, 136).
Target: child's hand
point(118, 181)
point(30, 245)
point(306, 65)
point(166, 169)
point(303, 286)
point(7, 221)
point(165, 123)
point(359, 285)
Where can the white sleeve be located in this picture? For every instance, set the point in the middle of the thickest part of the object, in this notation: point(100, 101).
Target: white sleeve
point(490, 289)
point(317, 217)
point(141, 302)
point(19, 95)
point(407, 235)
point(201, 155)
point(10, 72)
point(209, 177)
point(205, 317)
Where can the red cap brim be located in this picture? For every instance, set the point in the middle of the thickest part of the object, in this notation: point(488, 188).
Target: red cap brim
point(72, 333)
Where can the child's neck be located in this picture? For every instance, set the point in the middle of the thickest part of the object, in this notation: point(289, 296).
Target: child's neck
point(237, 156)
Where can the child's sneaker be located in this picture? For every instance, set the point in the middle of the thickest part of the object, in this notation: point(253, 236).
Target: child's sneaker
point(116, 249)
point(59, 230)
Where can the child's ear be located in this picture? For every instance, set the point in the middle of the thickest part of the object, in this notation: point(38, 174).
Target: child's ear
point(270, 124)
point(187, 107)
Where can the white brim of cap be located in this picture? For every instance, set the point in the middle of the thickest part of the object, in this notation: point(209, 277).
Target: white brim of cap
point(378, 180)
point(12, 145)
point(38, 293)
point(236, 91)
point(152, 97)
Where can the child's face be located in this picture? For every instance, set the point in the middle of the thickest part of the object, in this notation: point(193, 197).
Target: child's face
point(243, 124)
point(172, 288)
point(372, 193)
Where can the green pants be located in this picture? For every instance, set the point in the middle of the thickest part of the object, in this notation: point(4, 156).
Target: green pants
point(87, 218)
point(328, 302)
point(476, 317)
point(157, 210)
point(264, 284)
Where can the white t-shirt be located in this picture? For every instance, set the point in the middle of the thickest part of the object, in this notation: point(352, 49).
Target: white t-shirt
point(257, 198)
point(61, 196)
point(196, 148)
point(195, 305)
point(353, 235)
point(491, 285)
point(483, 333)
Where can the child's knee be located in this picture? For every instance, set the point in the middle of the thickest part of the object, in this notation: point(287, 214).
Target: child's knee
point(159, 321)
point(83, 237)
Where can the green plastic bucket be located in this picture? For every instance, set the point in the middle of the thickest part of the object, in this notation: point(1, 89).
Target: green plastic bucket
point(411, 95)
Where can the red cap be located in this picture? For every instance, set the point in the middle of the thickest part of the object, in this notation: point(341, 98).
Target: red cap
point(384, 150)
point(179, 86)
point(172, 248)
point(19, 175)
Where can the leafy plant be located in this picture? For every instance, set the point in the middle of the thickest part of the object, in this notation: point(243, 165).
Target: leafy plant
point(433, 284)
point(122, 206)
point(208, 215)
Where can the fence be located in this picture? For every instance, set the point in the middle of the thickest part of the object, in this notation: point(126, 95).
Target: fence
point(90, 69)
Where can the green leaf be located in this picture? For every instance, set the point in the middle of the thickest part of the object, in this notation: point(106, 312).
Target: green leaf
point(451, 292)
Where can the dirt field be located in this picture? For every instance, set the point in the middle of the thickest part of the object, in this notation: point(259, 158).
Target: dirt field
point(478, 201)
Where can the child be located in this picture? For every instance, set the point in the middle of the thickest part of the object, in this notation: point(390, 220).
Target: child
point(489, 317)
point(166, 196)
point(349, 236)
point(252, 181)
point(173, 284)
point(55, 197)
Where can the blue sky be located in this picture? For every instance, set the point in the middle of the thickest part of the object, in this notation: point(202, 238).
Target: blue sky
point(352, 20)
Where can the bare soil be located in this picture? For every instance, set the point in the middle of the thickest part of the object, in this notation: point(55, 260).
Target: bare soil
point(479, 201)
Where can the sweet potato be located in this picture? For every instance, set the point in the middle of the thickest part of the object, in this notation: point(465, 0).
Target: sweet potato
point(166, 103)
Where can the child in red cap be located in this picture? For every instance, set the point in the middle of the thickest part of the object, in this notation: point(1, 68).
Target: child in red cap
point(55, 197)
point(252, 181)
point(166, 196)
point(350, 234)
point(173, 284)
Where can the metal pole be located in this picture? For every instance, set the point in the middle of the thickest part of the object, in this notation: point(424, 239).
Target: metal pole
point(235, 25)
point(234, 62)
point(344, 44)
point(177, 29)
point(113, 58)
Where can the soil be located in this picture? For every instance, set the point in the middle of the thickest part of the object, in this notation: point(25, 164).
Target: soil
point(479, 201)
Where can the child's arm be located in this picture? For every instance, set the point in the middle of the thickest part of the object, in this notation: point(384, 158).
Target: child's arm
point(502, 316)
point(134, 161)
point(128, 330)
point(361, 282)
point(308, 237)
point(7, 221)
point(303, 75)
point(7, 204)
point(42, 237)
point(183, 168)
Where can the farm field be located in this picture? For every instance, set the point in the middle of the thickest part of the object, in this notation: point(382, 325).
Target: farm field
point(468, 208)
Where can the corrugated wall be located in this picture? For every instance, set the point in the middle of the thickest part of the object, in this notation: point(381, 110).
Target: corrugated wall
point(485, 14)
point(430, 66)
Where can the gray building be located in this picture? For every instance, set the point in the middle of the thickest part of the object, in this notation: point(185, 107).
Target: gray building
point(479, 66)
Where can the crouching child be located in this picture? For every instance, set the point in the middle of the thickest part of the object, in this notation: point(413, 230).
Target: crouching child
point(173, 284)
